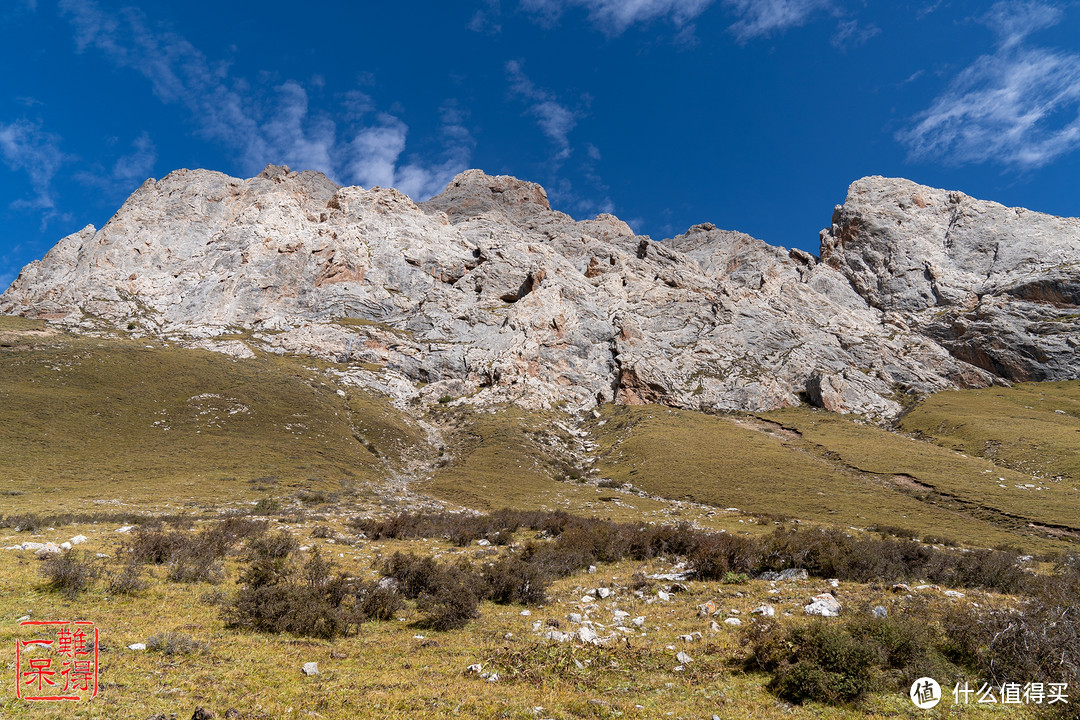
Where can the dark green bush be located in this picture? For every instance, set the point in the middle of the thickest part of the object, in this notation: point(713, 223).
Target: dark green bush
point(839, 661)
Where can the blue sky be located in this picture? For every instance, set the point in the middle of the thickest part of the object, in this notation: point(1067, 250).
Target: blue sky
point(752, 114)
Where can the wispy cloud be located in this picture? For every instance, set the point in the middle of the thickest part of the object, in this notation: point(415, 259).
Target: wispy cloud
point(1013, 21)
point(126, 173)
point(6, 278)
point(615, 16)
point(554, 118)
point(263, 124)
point(24, 146)
point(851, 34)
point(486, 19)
point(762, 18)
point(137, 165)
point(376, 152)
point(1019, 106)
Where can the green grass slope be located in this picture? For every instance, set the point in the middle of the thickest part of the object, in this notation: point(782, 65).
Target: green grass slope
point(821, 467)
point(84, 419)
point(1033, 428)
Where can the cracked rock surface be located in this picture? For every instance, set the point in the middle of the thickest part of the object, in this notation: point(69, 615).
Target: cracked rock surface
point(486, 293)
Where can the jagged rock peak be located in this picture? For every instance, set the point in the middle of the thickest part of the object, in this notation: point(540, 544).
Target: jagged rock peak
point(997, 286)
point(486, 293)
point(473, 192)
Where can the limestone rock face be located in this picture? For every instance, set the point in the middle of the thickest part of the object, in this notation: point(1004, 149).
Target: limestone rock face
point(998, 287)
point(487, 294)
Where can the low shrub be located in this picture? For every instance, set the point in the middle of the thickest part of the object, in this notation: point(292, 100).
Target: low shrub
point(379, 601)
point(193, 557)
point(450, 602)
point(840, 661)
point(514, 580)
point(128, 580)
point(175, 643)
point(281, 593)
point(70, 572)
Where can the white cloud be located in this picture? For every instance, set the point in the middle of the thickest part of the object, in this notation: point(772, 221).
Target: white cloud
point(25, 146)
point(138, 165)
point(554, 119)
point(850, 34)
point(263, 125)
point(615, 16)
point(762, 18)
point(1019, 106)
point(6, 278)
point(377, 149)
point(1014, 21)
point(126, 173)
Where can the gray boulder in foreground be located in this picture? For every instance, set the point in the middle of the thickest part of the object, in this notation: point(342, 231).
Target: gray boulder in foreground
point(485, 292)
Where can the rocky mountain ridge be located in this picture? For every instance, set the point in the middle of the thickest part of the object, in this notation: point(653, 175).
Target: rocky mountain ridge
point(485, 293)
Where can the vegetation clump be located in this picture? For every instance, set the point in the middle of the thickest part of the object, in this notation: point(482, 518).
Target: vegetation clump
point(281, 593)
point(70, 572)
point(840, 662)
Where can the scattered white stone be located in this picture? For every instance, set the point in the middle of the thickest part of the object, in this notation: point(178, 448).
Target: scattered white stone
point(687, 638)
point(619, 615)
point(65, 546)
point(574, 618)
point(483, 542)
point(475, 669)
point(558, 636)
point(954, 594)
point(733, 621)
point(663, 595)
point(835, 583)
point(536, 626)
point(592, 569)
point(881, 611)
point(587, 635)
point(604, 593)
point(764, 611)
point(638, 621)
point(310, 668)
point(125, 529)
point(48, 548)
point(588, 599)
point(713, 626)
point(683, 658)
point(102, 555)
point(493, 677)
point(24, 618)
point(137, 647)
point(526, 613)
point(78, 540)
point(824, 605)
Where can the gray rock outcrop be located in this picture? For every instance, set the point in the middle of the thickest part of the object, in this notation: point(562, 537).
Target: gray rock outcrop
point(998, 287)
point(486, 293)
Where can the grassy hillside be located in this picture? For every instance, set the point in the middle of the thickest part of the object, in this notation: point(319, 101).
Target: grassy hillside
point(518, 459)
point(119, 425)
point(822, 468)
point(134, 422)
point(84, 419)
point(1033, 428)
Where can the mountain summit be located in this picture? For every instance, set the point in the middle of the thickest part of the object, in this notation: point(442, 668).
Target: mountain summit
point(486, 292)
